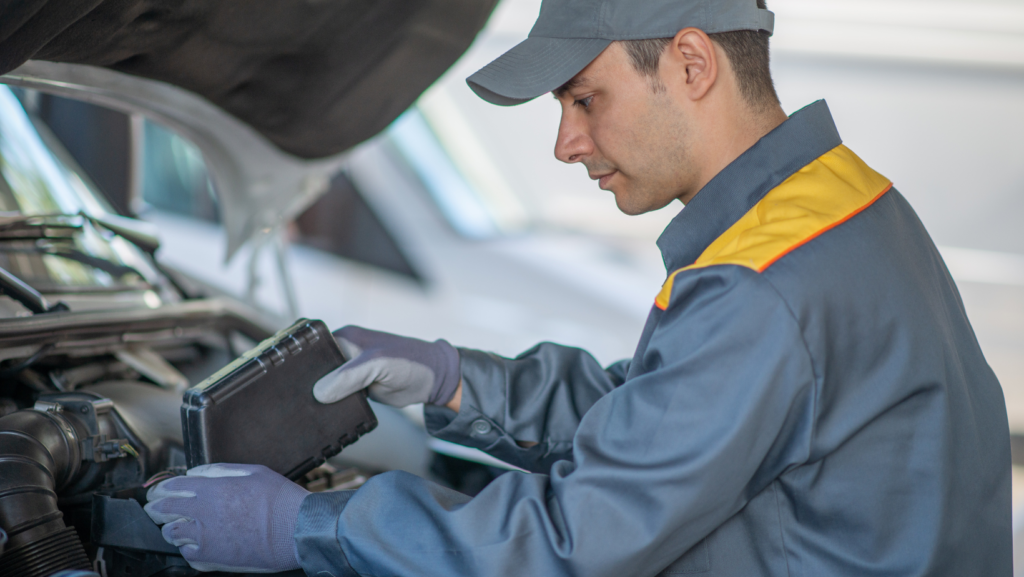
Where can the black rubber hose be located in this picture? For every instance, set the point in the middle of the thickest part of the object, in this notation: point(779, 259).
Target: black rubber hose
point(39, 454)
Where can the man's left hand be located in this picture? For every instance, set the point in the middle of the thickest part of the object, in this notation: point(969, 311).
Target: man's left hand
point(222, 517)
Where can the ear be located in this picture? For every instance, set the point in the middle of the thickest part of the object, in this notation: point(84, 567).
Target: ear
point(692, 63)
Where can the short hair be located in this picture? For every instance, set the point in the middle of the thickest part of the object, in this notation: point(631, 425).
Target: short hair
point(747, 51)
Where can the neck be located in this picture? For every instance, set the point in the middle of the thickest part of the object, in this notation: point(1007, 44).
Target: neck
point(720, 143)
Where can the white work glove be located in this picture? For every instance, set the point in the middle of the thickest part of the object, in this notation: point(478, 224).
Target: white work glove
point(399, 371)
point(238, 518)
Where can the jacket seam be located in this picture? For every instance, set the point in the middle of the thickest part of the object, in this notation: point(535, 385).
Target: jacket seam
point(504, 400)
point(814, 410)
point(810, 361)
point(782, 532)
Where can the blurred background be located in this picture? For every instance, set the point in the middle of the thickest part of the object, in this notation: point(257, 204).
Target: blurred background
point(459, 223)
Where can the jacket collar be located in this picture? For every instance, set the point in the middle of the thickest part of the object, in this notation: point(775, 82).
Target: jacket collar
point(807, 135)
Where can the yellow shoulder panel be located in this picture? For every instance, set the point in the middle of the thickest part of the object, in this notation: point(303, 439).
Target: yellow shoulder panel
point(819, 197)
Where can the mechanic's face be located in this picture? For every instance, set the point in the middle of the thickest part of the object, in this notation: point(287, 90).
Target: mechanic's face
point(631, 135)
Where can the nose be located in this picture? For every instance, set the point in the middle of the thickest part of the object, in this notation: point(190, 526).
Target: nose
point(573, 143)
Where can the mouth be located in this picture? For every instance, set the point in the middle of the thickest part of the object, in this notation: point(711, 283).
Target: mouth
point(604, 179)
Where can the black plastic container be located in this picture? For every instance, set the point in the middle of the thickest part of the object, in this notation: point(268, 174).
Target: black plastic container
point(260, 408)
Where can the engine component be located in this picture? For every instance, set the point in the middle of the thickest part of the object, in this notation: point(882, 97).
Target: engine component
point(154, 367)
point(62, 444)
point(123, 523)
point(260, 408)
point(40, 453)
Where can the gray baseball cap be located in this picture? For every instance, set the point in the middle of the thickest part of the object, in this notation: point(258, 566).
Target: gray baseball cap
point(570, 34)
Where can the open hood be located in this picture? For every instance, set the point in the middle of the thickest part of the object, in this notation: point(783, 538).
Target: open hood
point(315, 77)
point(271, 91)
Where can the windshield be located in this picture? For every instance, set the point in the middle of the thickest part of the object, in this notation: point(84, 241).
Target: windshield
point(52, 252)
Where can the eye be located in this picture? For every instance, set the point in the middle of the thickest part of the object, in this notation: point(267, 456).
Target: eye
point(584, 102)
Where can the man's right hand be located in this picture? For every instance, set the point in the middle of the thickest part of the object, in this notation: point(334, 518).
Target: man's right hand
point(399, 371)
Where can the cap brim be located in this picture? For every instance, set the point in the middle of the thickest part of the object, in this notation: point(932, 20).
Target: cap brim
point(534, 67)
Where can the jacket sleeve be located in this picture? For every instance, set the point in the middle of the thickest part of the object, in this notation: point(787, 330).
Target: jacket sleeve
point(525, 411)
point(725, 406)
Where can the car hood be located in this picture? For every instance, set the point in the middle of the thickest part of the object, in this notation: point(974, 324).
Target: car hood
point(271, 91)
point(315, 77)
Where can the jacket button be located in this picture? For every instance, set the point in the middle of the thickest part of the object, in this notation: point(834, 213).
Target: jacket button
point(481, 427)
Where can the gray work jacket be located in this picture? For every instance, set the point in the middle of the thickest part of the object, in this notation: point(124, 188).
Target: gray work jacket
point(807, 399)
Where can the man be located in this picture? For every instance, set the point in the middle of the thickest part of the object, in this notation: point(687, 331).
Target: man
point(807, 397)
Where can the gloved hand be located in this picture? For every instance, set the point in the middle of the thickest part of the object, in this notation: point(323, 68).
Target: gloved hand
point(230, 517)
point(399, 371)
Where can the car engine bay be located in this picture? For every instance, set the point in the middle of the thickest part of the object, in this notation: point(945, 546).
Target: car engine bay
point(83, 433)
point(98, 343)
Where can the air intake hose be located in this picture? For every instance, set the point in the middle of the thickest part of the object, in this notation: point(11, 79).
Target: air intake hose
point(40, 453)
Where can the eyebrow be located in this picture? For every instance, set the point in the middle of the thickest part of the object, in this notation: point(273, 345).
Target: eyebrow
point(576, 81)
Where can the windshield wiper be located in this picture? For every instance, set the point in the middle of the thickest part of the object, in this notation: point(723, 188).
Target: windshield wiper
point(114, 269)
point(40, 226)
point(138, 232)
point(141, 234)
point(13, 219)
point(16, 288)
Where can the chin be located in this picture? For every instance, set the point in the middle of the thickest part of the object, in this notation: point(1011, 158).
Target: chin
point(633, 206)
point(631, 211)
